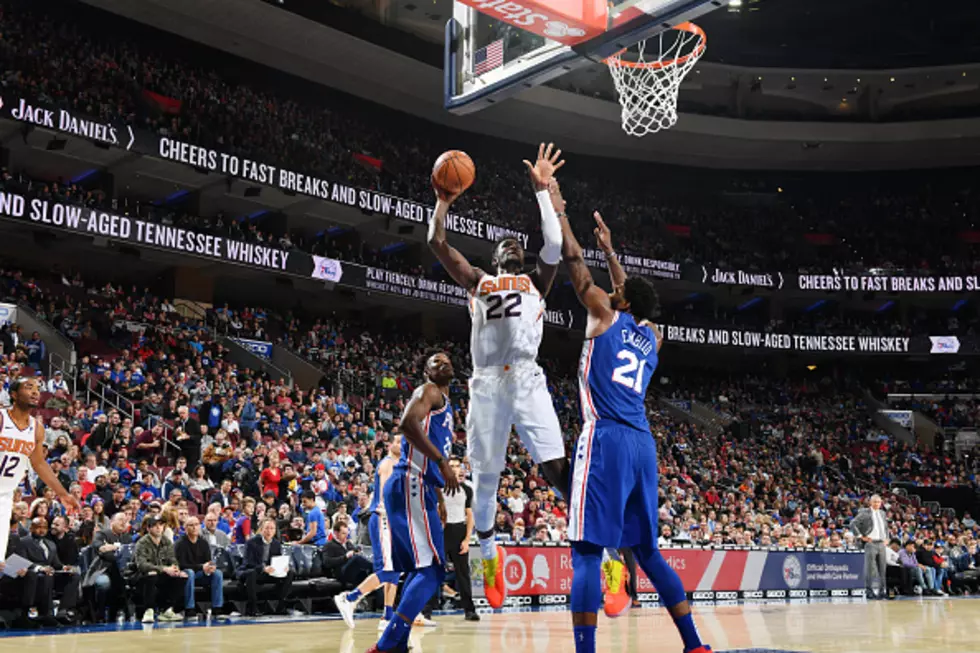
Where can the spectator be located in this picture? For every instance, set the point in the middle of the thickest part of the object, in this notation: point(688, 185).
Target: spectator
point(160, 580)
point(57, 383)
point(43, 555)
point(243, 525)
point(34, 593)
point(342, 560)
point(314, 522)
point(103, 573)
point(215, 536)
point(37, 352)
point(194, 559)
point(188, 435)
point(257, 569)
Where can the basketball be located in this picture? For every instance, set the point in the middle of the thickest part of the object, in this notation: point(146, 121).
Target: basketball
point(453, 171)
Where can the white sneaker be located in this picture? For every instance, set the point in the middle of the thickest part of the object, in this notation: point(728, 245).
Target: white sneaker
point(148, 616)
point(422, 621)
point(382, 624)
point(170, 615)
point(345, 608)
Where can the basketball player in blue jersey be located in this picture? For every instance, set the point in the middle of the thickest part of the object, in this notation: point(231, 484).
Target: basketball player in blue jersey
point(380, 546)
point(413, 499)
point(614, 467)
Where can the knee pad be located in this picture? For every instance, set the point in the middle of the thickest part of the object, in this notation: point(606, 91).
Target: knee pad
point(586, 577)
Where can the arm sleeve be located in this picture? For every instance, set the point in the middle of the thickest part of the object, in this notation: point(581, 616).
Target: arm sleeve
point(550, 229)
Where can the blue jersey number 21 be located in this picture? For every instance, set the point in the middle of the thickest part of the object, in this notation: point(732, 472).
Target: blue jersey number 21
point(629, 373)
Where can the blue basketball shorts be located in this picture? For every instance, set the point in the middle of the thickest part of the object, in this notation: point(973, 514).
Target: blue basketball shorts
point(413, 519)
point(614, 486)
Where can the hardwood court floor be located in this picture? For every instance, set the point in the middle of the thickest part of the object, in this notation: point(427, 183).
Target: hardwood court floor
point(909, 626)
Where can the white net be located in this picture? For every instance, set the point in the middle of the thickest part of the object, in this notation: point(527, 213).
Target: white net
point(649, 84)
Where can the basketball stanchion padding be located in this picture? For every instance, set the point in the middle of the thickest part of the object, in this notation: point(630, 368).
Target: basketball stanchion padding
point(648, 86)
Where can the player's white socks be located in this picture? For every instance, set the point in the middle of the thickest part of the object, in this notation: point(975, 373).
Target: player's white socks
point(488, 548)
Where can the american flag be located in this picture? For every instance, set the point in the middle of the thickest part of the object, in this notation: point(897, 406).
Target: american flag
point(489, 57)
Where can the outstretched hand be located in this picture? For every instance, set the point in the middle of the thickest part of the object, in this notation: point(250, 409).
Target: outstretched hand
point(545, 167)
point(603, 237)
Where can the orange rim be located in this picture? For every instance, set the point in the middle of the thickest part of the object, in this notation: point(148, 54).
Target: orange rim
point(683, 27)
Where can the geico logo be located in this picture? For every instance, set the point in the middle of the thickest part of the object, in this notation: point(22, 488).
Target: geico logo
point(517, 600)
point(840, 593)
point(775, 594)
point(552, 599)
point(480, 602)
point(726, 595)
point(797, 594)
point(818, 592)
point(648, 597)
point(515, 13)
point(752, 594)
point(703, 595)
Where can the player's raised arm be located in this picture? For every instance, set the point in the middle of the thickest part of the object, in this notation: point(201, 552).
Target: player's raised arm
point(594, 298)
point(455, 263)
point(424, 400)
point(542, 172)
point(603, 239)
point(44, 471)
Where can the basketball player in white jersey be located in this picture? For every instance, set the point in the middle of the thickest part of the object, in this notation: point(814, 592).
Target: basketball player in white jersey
point(21, 437)
point(508, 387)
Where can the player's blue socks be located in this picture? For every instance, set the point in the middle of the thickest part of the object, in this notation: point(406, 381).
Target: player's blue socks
point(354, 595)
point(389, 613)
point(689, 632)
point(395, 635)
point(671, 591)
point(419, 588)
point(586, 578)
point(584, 639)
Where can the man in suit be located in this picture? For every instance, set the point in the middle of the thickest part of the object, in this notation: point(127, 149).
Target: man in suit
point(103, 573)
point(46, 563)
point(214, 535)
point(188, 436)
point(342, 560)
point(24, 592)
point(870, 526)
point(257, 568)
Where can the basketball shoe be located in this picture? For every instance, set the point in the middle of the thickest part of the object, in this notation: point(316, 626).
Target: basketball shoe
point(493, 579)
point(616, 601)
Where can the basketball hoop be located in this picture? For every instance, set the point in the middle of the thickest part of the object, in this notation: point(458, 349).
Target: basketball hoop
point(648, 87)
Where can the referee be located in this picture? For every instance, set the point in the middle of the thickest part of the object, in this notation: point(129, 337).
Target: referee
point(459, 529)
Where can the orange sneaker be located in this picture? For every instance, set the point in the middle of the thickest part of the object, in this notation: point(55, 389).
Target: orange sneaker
point(493, 579)
point(616, 602)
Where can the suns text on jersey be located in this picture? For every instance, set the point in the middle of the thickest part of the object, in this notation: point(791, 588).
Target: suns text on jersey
point(14, 445)
point(504, 282)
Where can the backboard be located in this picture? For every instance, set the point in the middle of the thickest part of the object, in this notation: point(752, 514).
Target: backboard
point(496, 48)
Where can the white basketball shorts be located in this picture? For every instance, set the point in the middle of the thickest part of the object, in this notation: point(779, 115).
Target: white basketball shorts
point(501, 397)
